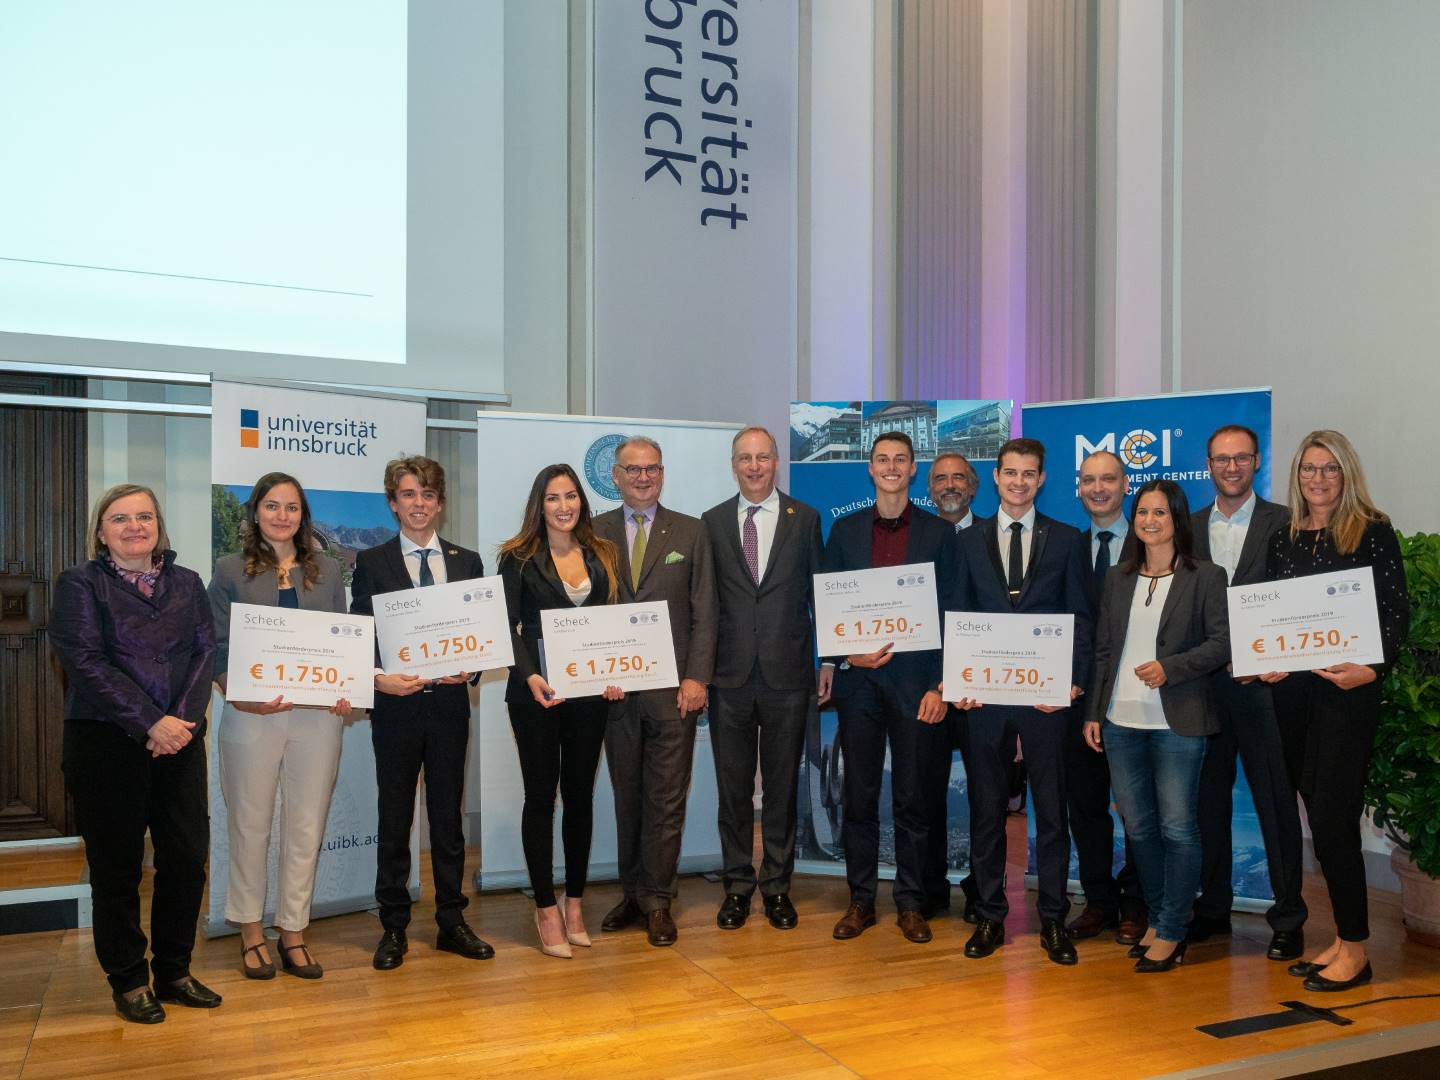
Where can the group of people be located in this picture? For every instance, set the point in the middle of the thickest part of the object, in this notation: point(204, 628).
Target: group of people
point(1156, 717)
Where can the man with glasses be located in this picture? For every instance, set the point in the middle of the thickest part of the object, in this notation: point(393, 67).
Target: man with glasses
point(650, 740)
point(1234, 532)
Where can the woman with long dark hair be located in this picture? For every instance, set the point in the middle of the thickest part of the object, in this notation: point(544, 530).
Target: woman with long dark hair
point(555, 561)
point(1162, 632)
point(265, 745)
point(1328, 716)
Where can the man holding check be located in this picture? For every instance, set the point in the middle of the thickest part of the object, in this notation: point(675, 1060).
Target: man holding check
point(883, 695)
point(418, 722)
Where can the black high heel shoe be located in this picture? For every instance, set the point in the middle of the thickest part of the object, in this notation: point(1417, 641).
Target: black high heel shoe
point(1145, 965)
point(1136, 951)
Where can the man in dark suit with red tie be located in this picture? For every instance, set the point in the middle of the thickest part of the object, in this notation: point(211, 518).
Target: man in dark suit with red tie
point(767, 549)
point(1022, 561)
point(418, 723)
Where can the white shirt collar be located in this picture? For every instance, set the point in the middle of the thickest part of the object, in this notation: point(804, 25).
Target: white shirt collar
point(770, 504)
point(1241, 516)
point(432, 543)
point(1004, 520)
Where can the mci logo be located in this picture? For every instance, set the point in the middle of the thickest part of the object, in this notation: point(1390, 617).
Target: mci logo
point(250, 428)
point(1138, 449)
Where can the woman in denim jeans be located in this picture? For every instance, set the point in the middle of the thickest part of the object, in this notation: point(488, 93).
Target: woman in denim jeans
point(1161, 633)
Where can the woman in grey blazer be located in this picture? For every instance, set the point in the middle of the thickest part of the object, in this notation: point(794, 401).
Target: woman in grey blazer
point(270, 744)
point(1161, 633)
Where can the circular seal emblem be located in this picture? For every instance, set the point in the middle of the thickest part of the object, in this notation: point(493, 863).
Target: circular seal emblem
point(598, 461)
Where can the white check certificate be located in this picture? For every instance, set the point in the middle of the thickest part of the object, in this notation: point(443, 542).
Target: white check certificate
point(1303, 623)
point(1008, 659)
point(860, 611)
point(625, 645)
point(445, 629)
point(307, 657)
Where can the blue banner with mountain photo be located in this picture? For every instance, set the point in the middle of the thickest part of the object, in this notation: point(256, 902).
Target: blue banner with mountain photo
point(336, 445)
point(829, 469)
point(1164, 436)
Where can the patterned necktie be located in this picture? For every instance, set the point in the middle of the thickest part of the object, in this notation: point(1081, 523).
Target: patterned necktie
point(750, 543)
point(637, 552)
point(1015, 572)
point(1102, 557)
point(427, 576)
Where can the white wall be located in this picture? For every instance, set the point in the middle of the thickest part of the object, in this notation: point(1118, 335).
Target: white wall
point(1310, 226)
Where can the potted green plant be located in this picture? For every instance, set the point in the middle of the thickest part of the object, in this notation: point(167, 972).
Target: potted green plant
point(1404, 782)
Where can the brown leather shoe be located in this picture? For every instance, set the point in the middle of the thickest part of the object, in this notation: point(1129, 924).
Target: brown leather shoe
point(660, 928)
point(854, 922)
point(1091, 922)
point(1132, 929)
point(914, 927)
point(624, 914)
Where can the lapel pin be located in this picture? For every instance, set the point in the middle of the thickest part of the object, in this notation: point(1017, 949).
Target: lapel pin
point(789, 509)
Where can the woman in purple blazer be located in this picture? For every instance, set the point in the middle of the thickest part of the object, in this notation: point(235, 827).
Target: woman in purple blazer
point(133, 632)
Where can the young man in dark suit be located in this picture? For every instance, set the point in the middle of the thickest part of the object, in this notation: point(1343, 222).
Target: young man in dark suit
point(1036, 567)
point(767, 551)
point(1112, 901)
point(1234, 532)
point(418, 723)
point(650, 740)
point(884, 696)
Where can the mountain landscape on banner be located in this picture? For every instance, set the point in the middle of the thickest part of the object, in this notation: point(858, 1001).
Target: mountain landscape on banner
point(345, 522)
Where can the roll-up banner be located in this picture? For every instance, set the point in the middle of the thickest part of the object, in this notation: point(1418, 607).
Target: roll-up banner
point(829, 469)
point(336, 445)
point(512, 449)
point(1164, 436)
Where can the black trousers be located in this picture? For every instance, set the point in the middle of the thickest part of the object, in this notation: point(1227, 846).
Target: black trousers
point(120, 790)
point(402, 747)
point(872, 713)
point(1329, 735)
point(1087, 781)
point(937, 862)
point(1250, 731)
point(991, 732)
point(558, 747)
point(746, 721)
point(650, 750)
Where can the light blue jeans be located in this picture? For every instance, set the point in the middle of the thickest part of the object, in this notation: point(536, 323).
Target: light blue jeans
point(1156, 778)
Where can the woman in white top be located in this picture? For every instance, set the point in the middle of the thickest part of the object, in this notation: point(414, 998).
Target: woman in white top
point(555, 561)
point(1161, 633)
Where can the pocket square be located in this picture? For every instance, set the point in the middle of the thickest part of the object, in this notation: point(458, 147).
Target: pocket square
point(674, 557)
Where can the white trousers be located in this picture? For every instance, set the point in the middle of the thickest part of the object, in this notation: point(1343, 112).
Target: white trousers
point(297, 752)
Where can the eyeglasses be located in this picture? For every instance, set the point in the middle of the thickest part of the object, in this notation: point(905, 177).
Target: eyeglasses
point(1224, 461)
point(1329, 471)
point(121, 520)
point(634, 472)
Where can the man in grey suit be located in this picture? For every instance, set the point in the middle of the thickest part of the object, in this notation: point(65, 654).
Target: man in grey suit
point(1234, 532)
point(650, 740)
point(767, 550)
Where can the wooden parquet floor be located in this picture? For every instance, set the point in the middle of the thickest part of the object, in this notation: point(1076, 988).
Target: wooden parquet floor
point(749, 1003)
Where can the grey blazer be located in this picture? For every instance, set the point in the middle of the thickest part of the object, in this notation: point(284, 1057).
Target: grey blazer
point(229, 585)
point(1193, 642)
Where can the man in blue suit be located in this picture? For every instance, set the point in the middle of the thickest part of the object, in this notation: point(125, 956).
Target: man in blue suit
point(885, 696)
point(1022, 561)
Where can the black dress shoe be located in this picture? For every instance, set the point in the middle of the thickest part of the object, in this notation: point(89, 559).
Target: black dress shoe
point(967, 886)
point(781, 912)
point(1204, 927)
point(989, 935)
point(1147, 965)
point(390, 953)
point(1303, 969)
point(190, 992)
point(660, 928)
point(1319, 984)
point(733, 912)
point(1286, 945)
point(463, 941)
point(1056, 942)
point(624, 914)
point(143, 1008)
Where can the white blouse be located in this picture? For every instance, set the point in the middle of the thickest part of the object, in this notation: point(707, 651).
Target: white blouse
point(1133, 704)
point(577, 593)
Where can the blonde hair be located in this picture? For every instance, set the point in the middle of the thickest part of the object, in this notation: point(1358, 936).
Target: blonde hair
point(95, 546)
point(1356, 510)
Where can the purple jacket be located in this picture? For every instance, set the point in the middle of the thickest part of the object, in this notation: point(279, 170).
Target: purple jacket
point(131, 659)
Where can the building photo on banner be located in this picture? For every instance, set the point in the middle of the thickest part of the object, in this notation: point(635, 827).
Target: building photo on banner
point(336, 445)
point(696, 456)
point(1159, 437)
point(829, 469)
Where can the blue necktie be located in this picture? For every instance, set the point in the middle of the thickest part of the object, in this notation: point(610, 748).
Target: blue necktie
point(426, 576)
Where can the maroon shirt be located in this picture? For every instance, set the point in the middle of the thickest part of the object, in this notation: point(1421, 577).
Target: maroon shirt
point(889, 538)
